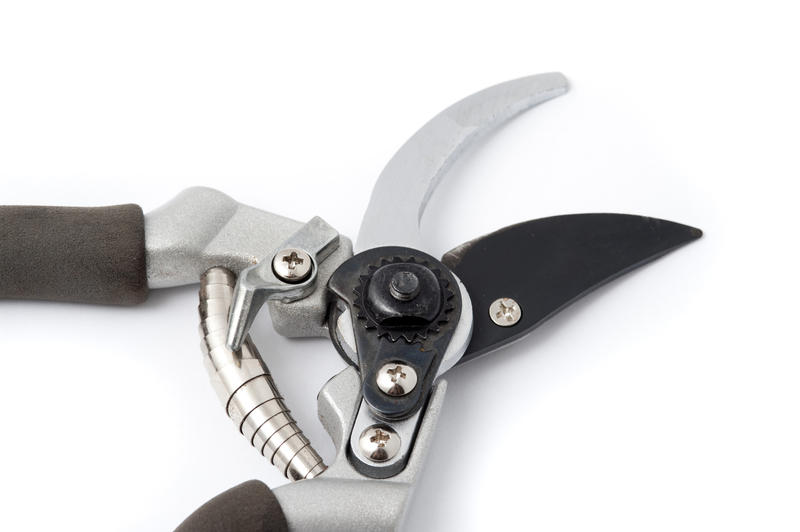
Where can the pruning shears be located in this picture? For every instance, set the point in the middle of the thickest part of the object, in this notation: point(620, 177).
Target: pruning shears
point(399, 316)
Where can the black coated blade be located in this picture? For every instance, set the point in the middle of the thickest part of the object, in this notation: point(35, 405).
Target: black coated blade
point(546, 264)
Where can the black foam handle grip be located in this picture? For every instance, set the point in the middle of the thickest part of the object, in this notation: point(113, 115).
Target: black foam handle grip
point(248, 507)
point(83, 255)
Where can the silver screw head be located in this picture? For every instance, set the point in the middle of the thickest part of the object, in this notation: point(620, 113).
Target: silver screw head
point(505, 312)
point(292, 265)
point(379, 443)
point(396, 379)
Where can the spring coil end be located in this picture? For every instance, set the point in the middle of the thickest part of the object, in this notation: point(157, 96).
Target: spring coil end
point(246, 388)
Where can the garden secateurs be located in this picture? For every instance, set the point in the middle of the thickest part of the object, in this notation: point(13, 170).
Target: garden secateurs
point(399, 316)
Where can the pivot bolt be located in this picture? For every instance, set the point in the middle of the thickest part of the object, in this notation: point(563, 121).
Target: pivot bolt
point(292, 265)
point(404, 286)
point(379, 443)
point(396, 379)
point(505, 312)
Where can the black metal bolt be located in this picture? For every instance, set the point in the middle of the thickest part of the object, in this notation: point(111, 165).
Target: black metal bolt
point(404, 286)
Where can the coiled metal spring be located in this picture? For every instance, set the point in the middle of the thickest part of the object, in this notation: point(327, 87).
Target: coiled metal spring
point(245, 386)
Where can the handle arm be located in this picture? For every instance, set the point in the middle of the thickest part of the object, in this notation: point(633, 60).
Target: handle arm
point(248, 507)
point(81, 255)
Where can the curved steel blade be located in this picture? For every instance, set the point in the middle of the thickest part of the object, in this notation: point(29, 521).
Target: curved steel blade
point(546, 264)
point(406, 184)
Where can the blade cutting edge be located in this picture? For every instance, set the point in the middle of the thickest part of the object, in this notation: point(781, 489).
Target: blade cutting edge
point(409, 179)
point(545, 265)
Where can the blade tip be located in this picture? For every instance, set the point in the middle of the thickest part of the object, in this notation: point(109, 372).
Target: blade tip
point(556, 80)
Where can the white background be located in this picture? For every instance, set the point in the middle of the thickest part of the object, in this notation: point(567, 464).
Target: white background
point(666, 401)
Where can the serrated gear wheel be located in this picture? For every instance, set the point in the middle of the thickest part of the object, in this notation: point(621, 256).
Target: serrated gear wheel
point(409, 334)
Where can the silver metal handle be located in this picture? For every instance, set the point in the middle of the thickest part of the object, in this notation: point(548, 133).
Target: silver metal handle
point(245, 386)
point(203, 228)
